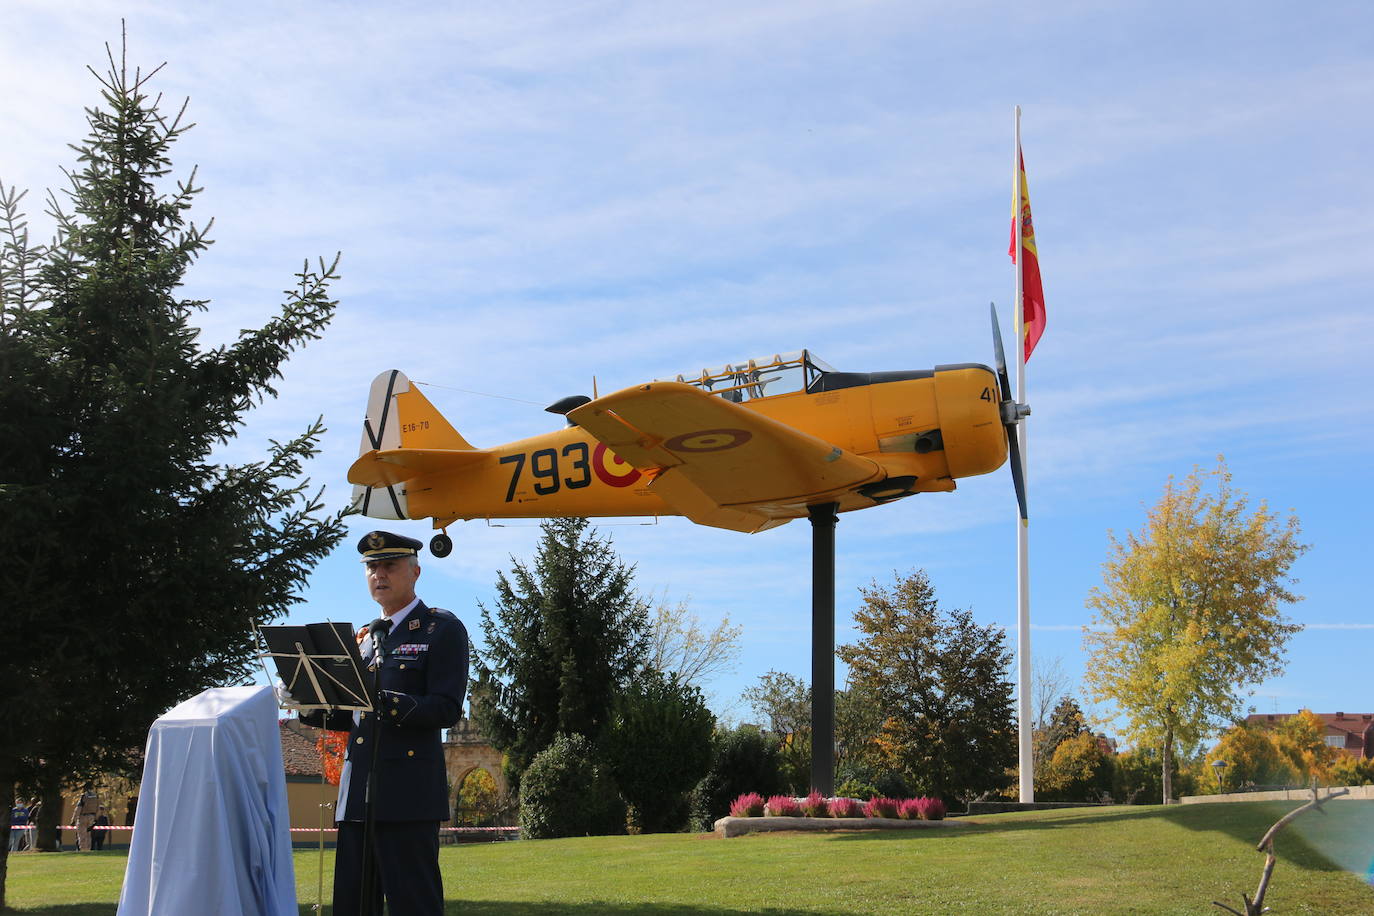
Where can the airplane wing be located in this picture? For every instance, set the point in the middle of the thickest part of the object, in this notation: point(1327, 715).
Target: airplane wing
point(719, 463)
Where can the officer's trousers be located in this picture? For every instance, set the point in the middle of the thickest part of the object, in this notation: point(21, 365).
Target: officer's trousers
point(407, 860)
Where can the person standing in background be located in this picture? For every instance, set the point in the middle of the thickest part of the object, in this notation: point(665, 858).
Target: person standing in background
point(19, 817)
point(83, 817)
point(98, 831)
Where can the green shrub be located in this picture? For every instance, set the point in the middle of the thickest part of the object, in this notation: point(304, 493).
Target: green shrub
point(1136, 777)
point(659, 748)
point(565, 792)
point(860, 779)
point(794, 761)
point(893, 784)
point(853, 788)
point(742, 760)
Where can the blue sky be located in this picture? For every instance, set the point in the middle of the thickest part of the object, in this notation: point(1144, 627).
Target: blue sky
point(530, 195)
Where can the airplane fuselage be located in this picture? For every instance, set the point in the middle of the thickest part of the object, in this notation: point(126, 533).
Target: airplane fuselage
point(920, 431)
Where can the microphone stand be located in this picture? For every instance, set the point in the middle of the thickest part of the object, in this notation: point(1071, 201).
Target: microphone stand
point(368, 890)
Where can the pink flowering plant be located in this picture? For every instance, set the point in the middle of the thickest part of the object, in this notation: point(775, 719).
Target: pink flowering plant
point(930, 809)
point(881, 807)
point(814, 806)
point(782, 806)
point(844, 807)
point(908, 809)
point(750, 804)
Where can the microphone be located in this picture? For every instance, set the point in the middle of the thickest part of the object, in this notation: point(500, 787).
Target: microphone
point(378, 629)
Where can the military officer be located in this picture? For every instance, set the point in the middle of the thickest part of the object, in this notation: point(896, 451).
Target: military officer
point(422, 669)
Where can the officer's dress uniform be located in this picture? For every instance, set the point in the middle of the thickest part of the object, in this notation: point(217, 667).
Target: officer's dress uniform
point(423, 677)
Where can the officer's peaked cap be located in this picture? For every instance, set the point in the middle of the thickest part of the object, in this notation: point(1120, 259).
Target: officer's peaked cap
point(383, 545)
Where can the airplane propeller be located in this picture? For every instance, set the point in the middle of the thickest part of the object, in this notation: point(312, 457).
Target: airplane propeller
point(1012, 413)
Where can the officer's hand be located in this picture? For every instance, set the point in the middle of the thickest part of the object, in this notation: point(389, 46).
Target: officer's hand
point(284, 697)
point(396, 705)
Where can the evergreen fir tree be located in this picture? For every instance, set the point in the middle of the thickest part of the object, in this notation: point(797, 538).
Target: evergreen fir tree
point(565, 635)
point(941, 683)
point(135, 563)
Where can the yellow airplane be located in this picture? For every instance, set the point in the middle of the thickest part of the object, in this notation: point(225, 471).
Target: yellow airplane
point(746, 447)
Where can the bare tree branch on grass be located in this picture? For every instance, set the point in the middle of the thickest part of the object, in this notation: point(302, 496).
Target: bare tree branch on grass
point(1266, 846)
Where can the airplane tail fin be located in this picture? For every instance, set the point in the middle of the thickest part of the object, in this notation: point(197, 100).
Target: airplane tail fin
point(398, 417)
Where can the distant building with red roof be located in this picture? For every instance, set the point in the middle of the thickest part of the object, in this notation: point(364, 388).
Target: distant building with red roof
point(1352, 734)
point(298, 751)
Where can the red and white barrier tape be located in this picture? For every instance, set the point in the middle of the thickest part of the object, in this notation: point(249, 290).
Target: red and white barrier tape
point(305, 829)
point(441, 829)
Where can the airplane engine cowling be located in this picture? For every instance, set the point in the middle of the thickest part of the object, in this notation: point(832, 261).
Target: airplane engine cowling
point(967, 399)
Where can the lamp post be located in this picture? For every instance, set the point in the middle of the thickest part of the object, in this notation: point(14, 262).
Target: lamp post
point(1218, 766)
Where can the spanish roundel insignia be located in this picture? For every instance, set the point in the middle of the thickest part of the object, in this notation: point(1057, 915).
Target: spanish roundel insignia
point(611, 469)
point(708, 440)
point(415, 624)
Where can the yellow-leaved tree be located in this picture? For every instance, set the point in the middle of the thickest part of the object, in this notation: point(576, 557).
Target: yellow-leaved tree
point(1252, 758)
point(1188, 613)
point(479, 801)
point(1302, 739)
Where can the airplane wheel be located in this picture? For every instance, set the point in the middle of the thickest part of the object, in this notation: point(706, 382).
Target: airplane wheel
point(441, 545)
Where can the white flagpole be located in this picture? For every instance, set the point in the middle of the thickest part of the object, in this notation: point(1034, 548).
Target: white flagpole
point(1025, 726)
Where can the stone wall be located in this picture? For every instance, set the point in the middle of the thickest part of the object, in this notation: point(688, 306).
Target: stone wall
point(1357, 793)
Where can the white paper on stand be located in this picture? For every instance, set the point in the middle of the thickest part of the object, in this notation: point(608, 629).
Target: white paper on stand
point(212, 833)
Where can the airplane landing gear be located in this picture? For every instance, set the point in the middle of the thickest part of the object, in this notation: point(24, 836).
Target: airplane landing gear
point(441, 545)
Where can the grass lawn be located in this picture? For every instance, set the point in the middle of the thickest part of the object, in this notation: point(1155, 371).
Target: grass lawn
point(1086, 860)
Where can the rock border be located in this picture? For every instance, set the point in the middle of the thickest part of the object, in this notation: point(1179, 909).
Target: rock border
point(738, 826)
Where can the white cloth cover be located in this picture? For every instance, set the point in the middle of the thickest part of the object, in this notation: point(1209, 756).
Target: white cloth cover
point(212, 832)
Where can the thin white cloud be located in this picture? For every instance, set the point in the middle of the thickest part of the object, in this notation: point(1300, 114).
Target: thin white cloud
point(1338, 626)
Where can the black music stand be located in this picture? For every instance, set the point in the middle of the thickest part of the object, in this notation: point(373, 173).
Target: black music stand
point(320, 665)
point(323, 670)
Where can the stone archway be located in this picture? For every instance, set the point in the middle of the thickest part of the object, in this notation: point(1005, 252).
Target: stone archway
point(467, 750)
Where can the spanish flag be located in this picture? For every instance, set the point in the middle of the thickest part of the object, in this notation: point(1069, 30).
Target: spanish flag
point(1032, 294)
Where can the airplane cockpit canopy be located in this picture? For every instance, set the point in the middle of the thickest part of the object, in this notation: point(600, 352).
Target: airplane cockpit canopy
point(766, 377)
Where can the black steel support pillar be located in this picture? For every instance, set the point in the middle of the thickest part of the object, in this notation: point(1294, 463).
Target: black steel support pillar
point(823, 648)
